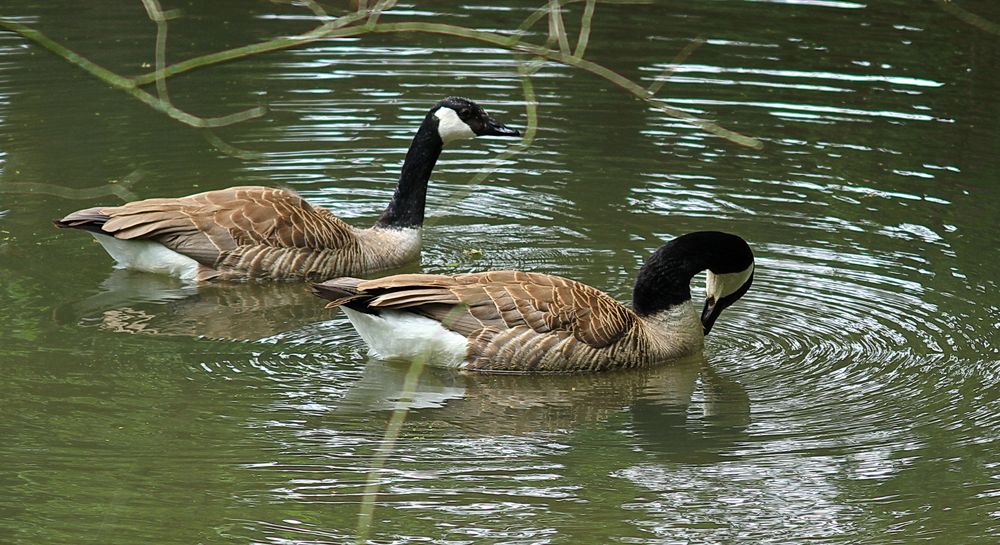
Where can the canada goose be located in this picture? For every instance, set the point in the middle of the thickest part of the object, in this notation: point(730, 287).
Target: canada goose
point(264, 233)
point(512, 321)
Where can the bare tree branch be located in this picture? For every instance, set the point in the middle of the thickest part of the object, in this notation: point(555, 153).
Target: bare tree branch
point(588, 66)
point(584, 37)
point(127, 85)
point(682, 56)
point(365, 21)
point(965, 15)
point(557, 28)
point(157, 15)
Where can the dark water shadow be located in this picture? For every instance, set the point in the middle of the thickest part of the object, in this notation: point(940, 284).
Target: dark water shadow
point(685, 411)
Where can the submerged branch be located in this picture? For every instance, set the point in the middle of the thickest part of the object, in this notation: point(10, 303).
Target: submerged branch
point(971, 18)
point(659, 80)
point(385, 449)
point(364, 21)
point(543, 11)
point(377, 10)
point(317, 9)
point(332, 29)
point(229, 149)
point(584, 37)
point(118, 188)
point(603, 72)
point(157, 15)
point(128, 85)
point(557, 28)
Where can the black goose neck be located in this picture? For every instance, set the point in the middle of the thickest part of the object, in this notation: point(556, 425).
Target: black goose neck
point(406, 209)
point(664, 280)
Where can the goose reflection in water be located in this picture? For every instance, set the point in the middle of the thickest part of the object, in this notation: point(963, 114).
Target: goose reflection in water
point(684, 411)
point(141, 303)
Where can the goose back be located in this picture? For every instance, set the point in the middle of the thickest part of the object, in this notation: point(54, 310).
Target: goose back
point(253, 232)
point(527, 322)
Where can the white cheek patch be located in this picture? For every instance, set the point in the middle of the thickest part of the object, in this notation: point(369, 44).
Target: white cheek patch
point(718, 286)
point(451, 127)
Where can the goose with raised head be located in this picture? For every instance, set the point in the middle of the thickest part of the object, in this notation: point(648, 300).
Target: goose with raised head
point(512, 321)
point(264, 233)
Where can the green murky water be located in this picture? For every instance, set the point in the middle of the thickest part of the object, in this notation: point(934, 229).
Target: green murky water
point(851, 397)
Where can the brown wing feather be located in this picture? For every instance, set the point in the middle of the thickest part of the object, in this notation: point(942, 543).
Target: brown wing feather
point(503, 300)
point(206, 225)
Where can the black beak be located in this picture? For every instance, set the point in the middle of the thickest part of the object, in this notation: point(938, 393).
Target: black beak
point(710, 314)
point(495, 128)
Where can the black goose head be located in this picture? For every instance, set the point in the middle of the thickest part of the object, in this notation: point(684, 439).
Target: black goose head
point(459, 118)
point(665, 278)
point(728, 278)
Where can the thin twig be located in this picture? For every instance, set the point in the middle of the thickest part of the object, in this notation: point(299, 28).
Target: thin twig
point(682, 56)
point(598, 70)
point(84, 194)
point(230, 149)
point(340, 27)
point(331, 29)
point(317, 9)
point(541, 12)
point(377, 10)
point(156, 15)
point(965, 15)
point(387, 447)
point(584, 38)
point(557, 28)
point(127, 85)
point(334, 29)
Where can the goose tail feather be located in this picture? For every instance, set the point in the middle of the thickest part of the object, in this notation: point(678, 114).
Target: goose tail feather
point(344, 292)
point(88, 219)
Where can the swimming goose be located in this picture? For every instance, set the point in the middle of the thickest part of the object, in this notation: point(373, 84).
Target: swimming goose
point(512, 321)
point(263, 233)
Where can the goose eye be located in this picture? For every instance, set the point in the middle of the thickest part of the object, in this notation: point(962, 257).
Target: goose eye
point(464, 114)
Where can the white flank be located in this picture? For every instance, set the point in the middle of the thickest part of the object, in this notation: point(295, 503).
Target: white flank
point(451, 127)
point(396, 334)
point(148, 256)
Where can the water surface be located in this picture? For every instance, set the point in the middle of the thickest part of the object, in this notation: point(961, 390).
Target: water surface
point(850, 397)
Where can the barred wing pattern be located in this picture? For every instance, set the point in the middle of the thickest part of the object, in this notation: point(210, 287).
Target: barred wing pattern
point(517, 321)
point(243, 232)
